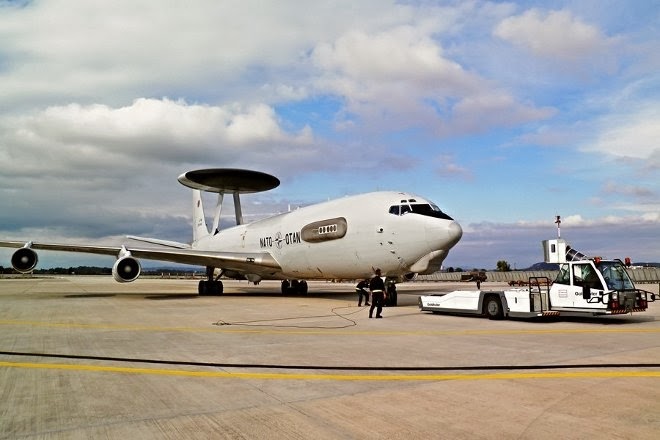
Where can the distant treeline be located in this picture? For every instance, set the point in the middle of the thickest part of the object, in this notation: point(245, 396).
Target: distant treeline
point(80, 270)
point(94, 270)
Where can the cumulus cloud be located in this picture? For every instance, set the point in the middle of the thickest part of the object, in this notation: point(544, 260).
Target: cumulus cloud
point(90, 166)
point(448, 168)
point(159, 130)
point(88, 50)
point(611, 187)
point(554, 34)
point(579, 221)
point(401, 78)
point(633, 134)
point(383, 60)
point(554, 135)
point(400, 54)
point(495, 109)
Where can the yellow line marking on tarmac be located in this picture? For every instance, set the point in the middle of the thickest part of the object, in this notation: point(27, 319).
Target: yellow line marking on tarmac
point(268, 329)
point(336, 377)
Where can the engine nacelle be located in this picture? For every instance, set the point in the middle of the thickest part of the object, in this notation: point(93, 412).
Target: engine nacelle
point(411, 276)
point(126, 269)
point(24, 260)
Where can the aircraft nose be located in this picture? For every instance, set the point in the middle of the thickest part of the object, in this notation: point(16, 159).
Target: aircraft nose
point(455, 232)
point(443, 235)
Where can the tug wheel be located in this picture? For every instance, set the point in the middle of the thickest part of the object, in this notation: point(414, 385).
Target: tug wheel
point(493, 308)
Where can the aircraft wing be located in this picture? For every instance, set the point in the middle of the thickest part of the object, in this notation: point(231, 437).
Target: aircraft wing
point(168, 243)
point(248, 262)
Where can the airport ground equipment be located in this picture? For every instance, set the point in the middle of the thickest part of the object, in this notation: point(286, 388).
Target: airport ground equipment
point(475, 276)
point(584, 286)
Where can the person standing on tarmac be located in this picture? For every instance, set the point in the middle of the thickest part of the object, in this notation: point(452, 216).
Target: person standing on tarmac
point(377, 287)
point(361, 290)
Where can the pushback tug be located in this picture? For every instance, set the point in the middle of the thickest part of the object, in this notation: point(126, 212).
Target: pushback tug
point(584, 286)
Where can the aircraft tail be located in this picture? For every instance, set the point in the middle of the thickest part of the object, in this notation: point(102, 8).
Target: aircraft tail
point(200, 229)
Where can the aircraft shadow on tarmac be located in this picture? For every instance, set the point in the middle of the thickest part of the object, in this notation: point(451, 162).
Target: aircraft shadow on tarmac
point(168, 296)
point(90, 295)
point(403, 299)
point(248, 294)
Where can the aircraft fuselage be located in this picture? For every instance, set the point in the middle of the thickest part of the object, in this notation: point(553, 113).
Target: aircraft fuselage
point(347, 238)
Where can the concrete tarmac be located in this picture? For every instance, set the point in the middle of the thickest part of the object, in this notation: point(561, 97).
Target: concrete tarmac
point(85, 357)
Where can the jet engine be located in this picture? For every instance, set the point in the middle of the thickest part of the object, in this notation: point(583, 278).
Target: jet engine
point(126, 269)
point(24, 260)
point(411, 276)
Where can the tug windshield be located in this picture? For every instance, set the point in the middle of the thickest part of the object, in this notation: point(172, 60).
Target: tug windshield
point(615, 275)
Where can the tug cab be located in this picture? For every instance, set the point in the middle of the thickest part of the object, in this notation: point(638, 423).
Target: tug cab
point(591, 284)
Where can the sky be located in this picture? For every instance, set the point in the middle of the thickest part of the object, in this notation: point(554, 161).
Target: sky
point(505, 114)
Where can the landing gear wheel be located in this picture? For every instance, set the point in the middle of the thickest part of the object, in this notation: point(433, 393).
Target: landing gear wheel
point(391, 296)
point(294, 287)
point(206, 287)
point(493, 308)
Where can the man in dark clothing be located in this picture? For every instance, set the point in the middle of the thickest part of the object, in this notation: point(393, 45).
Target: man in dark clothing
point(361, 290)
point(377, 287)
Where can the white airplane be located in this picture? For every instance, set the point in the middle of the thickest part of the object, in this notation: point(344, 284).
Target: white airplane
point(400, 233)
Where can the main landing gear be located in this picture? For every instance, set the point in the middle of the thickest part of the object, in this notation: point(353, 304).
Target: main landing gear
point(391, 295)
point(210, 286)
point(294, 287)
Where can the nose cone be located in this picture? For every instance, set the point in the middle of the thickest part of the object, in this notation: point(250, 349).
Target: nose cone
point(443, 235)
point(440, 238)
point(455, 232)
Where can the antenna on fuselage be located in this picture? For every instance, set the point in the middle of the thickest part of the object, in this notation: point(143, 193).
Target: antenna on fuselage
point(228, 180)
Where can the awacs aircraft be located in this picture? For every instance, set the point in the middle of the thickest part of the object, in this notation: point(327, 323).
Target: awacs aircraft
point(400, 233)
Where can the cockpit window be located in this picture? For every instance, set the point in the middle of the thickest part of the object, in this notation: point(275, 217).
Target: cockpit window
point(427, 209)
